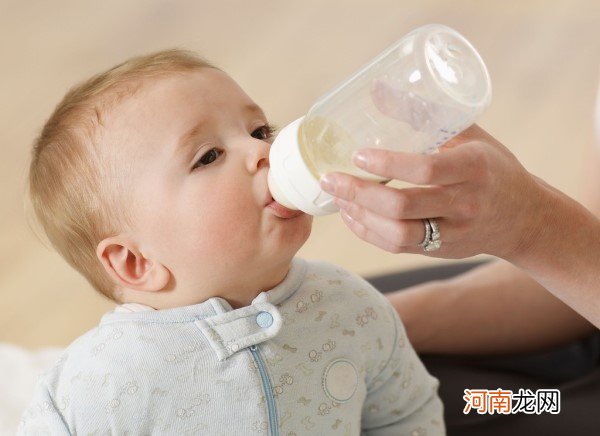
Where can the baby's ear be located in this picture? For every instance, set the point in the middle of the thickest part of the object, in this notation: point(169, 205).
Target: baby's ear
point(128, 267)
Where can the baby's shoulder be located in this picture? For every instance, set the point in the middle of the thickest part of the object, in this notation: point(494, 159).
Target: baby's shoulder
point(112, 348)
point(68, 363)
point(335, 312)
point(331, 290)
point(336, 282)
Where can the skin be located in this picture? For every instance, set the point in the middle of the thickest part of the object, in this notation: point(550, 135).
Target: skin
point(485, 202)
point(493, 309)
point(198, 232)
point(462, 187)
point(524, 317)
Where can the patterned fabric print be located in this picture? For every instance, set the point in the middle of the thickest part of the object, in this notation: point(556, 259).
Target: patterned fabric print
point(355, 323)
point(169, 372)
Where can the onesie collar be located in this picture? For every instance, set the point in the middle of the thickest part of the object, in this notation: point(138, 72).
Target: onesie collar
point(227, 330)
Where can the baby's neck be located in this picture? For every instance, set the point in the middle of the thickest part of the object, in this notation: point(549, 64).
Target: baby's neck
point(236, 294)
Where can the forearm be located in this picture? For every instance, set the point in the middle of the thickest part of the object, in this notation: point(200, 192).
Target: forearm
point(562, 252)
point(493, 309)
point(591, 188)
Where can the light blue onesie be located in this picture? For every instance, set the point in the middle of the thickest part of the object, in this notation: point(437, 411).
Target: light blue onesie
point(322, 353)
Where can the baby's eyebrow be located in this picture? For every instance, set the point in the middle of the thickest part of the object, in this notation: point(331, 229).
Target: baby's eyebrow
point(186, 138)
point(252, 107)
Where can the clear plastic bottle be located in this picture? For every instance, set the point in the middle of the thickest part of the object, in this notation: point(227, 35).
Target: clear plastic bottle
point(415, 96)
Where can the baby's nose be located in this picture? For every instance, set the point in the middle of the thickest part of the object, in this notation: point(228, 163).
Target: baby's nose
point(258, 156)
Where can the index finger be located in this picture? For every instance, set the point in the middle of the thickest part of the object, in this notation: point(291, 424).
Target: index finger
point(454, 165)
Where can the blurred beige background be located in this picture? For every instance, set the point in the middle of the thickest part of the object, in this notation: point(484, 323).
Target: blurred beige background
point(543, 58)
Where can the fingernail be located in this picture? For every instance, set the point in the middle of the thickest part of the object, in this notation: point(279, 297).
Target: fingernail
point(328, 183)
point(360, 160)
point(345, 215)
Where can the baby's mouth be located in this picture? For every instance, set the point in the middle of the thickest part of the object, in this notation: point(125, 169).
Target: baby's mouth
point(280, 210)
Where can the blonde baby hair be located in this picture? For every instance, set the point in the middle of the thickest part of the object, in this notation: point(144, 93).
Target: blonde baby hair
point(77, 188)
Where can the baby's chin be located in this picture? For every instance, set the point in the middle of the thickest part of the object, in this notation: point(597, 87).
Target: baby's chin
point(305, 229)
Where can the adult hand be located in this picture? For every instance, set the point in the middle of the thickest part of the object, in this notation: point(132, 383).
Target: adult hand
point(483, 199)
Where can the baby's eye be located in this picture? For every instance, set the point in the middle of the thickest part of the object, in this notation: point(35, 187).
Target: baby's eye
point(264, 132)
point(209, 157)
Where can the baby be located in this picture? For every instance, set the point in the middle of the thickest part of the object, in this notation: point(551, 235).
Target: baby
point(151, 180)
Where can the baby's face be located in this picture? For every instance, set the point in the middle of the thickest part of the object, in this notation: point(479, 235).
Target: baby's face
point(198, 150)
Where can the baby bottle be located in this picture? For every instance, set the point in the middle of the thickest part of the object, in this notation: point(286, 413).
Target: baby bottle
point(415, 96)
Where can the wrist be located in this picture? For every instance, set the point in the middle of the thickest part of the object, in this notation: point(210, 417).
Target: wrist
point(557, 228)
point(532, 223)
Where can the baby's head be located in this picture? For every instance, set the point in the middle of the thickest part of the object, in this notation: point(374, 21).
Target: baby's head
point(150, 179)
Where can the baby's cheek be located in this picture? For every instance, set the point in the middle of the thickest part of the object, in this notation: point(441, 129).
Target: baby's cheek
point(225, 225)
